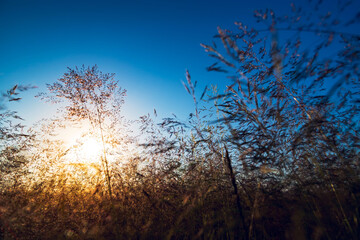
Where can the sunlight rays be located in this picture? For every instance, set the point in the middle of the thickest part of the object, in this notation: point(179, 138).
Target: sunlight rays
point(90, 151)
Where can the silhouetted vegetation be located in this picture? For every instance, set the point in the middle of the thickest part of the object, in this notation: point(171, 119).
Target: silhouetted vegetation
point(271, 154)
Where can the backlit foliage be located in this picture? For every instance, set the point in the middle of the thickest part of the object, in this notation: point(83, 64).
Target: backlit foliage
point(271, 154)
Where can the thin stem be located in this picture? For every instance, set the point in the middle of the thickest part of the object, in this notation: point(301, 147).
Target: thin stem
point(107, 174)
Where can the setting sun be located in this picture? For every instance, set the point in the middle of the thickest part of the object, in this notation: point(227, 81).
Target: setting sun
point(179, 119)
point(86, 149)
point(91, 149)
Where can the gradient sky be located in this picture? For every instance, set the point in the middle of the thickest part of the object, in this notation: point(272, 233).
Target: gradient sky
point(148, 44)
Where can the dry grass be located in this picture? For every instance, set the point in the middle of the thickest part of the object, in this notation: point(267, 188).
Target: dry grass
point(275, 156)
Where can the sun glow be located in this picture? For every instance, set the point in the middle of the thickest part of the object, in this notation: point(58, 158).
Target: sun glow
point(87, 149)
point(91, 148)
point(84, 145)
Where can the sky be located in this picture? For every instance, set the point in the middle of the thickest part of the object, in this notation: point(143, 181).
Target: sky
point(147, 44)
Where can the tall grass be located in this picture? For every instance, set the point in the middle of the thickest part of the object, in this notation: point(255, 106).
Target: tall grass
point(273, 156)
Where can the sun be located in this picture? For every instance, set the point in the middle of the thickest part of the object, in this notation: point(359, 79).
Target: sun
point(87, 150)
point(85, 145)
point(91, 148)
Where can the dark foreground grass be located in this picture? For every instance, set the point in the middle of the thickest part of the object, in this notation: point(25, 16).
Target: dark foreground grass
point(180, 210)
point(273, 153)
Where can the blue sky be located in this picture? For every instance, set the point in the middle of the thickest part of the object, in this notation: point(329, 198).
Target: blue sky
point(148, 44)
